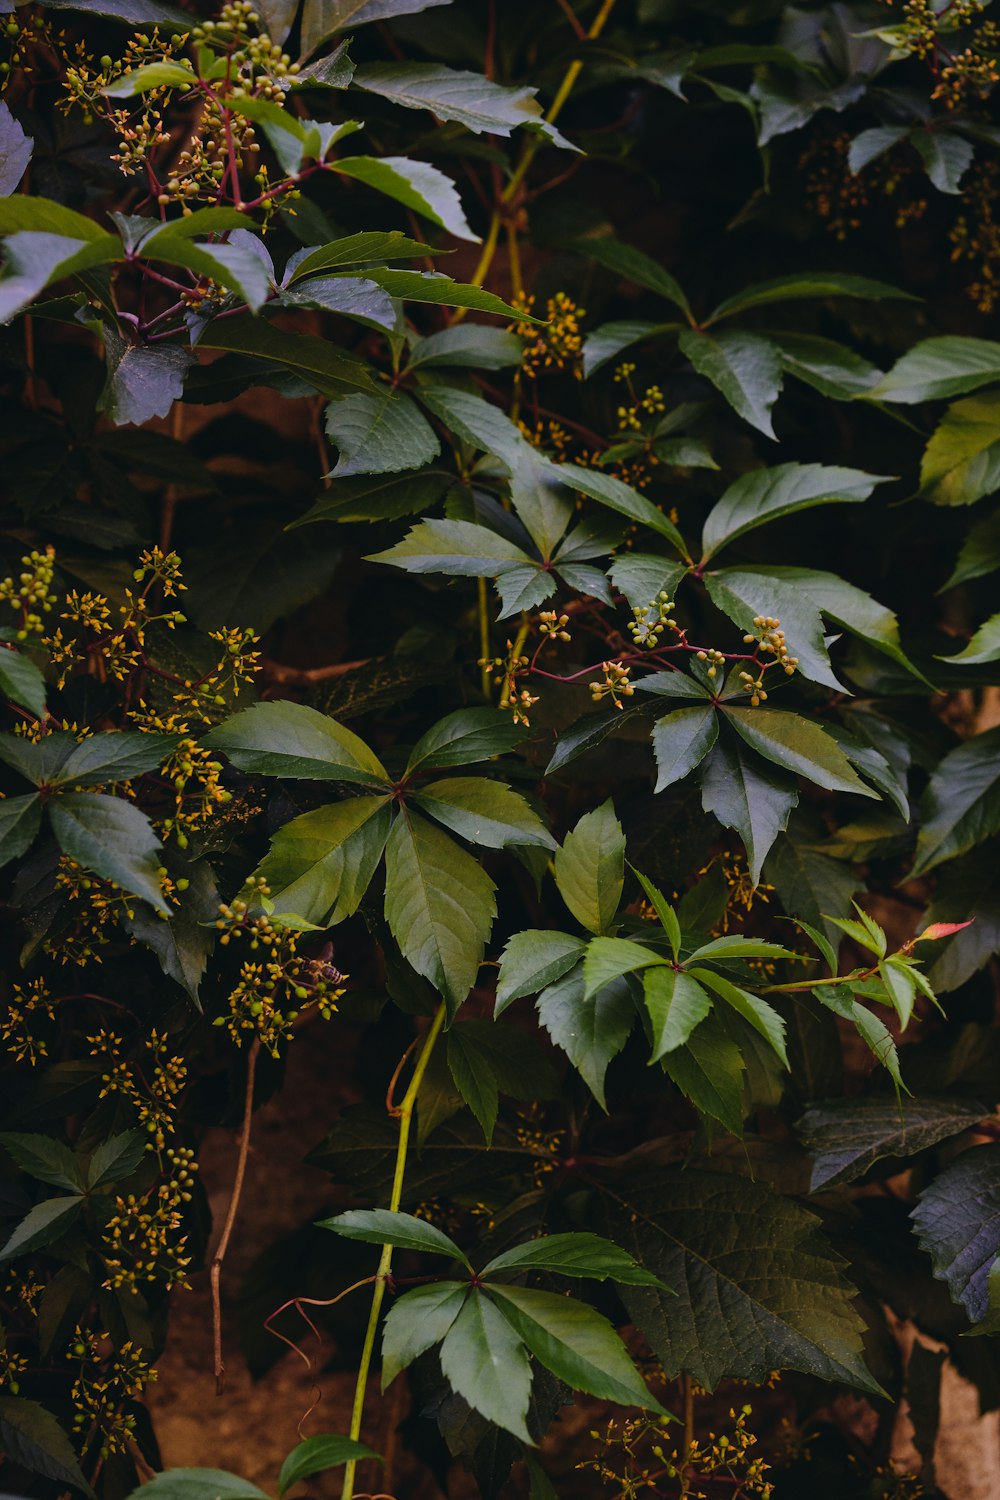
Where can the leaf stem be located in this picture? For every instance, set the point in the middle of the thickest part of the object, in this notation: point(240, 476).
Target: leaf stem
point(404, 1114)
point(483, 611)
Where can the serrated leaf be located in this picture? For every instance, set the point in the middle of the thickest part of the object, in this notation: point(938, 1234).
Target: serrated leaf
point(748, 796)
point(578, 1254)
point(532, 960)
point(316, 1454)
point(464, 737)
point(439, 904)
point(957, 1222)
point(946, 157)
point(758, 1289)
point(756, 1011)
point(116, 755)
point(484, 1361)
point(417, 1321)
point(798, 745)
point(22, 682)
point(675, 1004)
point(681, 741)
point(609, 958)
point(576, 1343)
point(323, 18)
point(379, 498)
point(32, 1437)
point(961, 463)
point(112, 838)
point(590, 1032)
point(642, 577)
point(355, 297)
point(34, 258)
point(940, 367)
point(812, 284)
point(45, 1159)
point(380, 1226)
point(590, 868)
point(829, 367)
point(745, 594)
point(415, 184)
point(183, 944)
point(635, 266)
point(458, 548)
point(744, 367)
point(486, 813)
point(767, 494)
point(291, 740)
point(468, 98)
point(847, 1136)
point(116, 1158)
point(709, 1070)
point(605, 343)
point(141, 382)
point(621, 498)
point(167, 74)
point(379, 434)
point(45, 1223)
point(442, 291)
point(318, 362)
point(355, 250)
point(321, 863)
point(470, 344)
point(961, 806)
point(983, 647)
point(20, 822)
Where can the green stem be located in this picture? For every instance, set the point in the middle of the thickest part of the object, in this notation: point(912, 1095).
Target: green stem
point(483, 611)
point(405, 1115)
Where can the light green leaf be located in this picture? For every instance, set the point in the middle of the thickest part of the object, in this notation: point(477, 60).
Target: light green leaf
point(681, 740)
point(767, 494)
point(458, 548)
point(484, 812)
point(590, 868)
point(666, 913)
point(21, 211)
point(439, 904)
point(381, 1226)
point(415, 184)
point(291, 740)
point(961, 463)
point(608, 958)
point(979, 553)
point(33, 259)
point(464, 737)
point(417, 1321)
point(112, 838)
point(532, 960)
point(379, 434)
point(798, 745)
point(168, 74)
point(441, 291)
point(676, 1004)
point(579, 1254)
point(940, 367)
point(22, 682)
point(744, 367)
point(321, 863)
point(576, 1343)
point(961, 805)
point(316, 1454)
point(484, 1361)
point(358, 249)
point(756, 1012)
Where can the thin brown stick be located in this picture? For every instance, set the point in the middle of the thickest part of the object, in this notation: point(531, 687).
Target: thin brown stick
point(227, 1228)
point(275, 671)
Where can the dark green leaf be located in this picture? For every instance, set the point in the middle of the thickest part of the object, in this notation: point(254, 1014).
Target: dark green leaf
point(580, 1254)
point(957, 1221)
point(377, 1226)
point(676, 1004)
point(946, 157)
point(744, 367)
point(464, 737)
point(22, 682)
point(416, 1322)
point(961, 805)
point(635, 266)
point(532, 960)
point(681, 740)
point(847, 1136)
point(46, 1222)
point(814, 284)
point(472, 100)
point(198, 1484)
point(316, 1454)
point(318, 362)
point(116, 1158)
point(32, 1437)
point(798, 745)
point(590, 868)
point(590, 1032)
point(749, 797)
point(112, 838)
point(608, 958)
point(120, 755)
point(767, 494)
point(45, 1159)
point(486, 813)
point(289, 739)
point(709, 1069)
point(379, 434)
point(415, 184)
point(20, 821)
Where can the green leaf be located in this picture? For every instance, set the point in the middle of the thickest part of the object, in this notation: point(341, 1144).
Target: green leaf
point(111, 756)
point(486, 813)
point(15, 151)
point(439, 904)
point(961, 463)
point(676, 1004)
point(471, 344)
point(968, 887)
point(576, 1343)
point(590, 1032)
point(45, 1159)
point(33, 259)
point(321, 863)
point(709, 1069)
point(590, 868)
point(744, 594)
point(417, 1321)
point(758, 1287)
point(468, 98)
point(946, 157)
point(983, 647)
point(748, 797)
point(322, 18)
point(183, 945)
point(484, 1361)
point(441, 291)
point(940, 367)
point(755, 1011)
point(358, 249)
point(642, 577)
point(318, 362)
point(324, 1451)
point(735, 946)
point(141, 383)
point(459, 548)
point(46, 1222)
point(605, 343)
point(871, 144)
point(377, 498)
point(901, 989)
point(957, 1222)
point(847, 1136)
point(22, 682)
point(112, 838)
point(663, 909)
point(579, 1254)
point(116, 1158)
point(474, 1079)
point(798, 745)
point(608, 958)
point(32, 1437)
point(829, 367)
point(767, 494)
point(876, 1037)
point(635, 266)
point(619, 497)
point(744, 367)
point(379, 434)
point(415, 184)
point(810, 885)
point(379, 1226)
point(236, 267)
point(291, 740)
point(158, 75)
point(464, 737)
point(21, 211)
point(961, 805)
point(531, 961)
point(681, 741)
point(844, 604)
point(198, 1484)
point(356, 297)
point(20, 821)
point(812, 284)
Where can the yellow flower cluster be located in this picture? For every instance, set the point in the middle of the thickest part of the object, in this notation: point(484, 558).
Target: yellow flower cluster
point(636, 1457)
point(151, 1080)
point(30, 594)
point(108, 1379)
point(29, 1006)
point(558, 345)
point(142, 1244)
